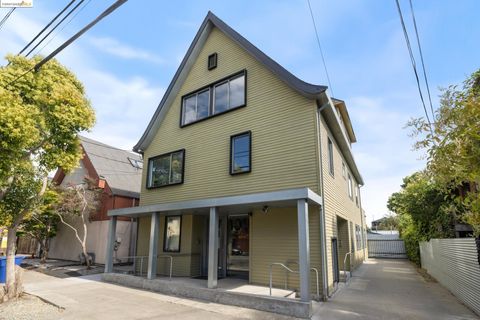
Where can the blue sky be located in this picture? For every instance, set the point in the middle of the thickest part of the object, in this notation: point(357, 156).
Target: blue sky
point(128, 60)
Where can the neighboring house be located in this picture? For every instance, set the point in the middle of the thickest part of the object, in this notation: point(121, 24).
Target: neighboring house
point(119, 173)
point(240, 158)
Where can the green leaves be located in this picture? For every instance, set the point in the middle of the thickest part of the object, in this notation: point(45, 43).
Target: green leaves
point(453, 152)
point(41, 114)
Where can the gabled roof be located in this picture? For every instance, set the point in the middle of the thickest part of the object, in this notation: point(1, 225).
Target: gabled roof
point(306, 89)
point(116, 166)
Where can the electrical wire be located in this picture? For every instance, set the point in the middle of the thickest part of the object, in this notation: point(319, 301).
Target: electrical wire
point(320, 47)
point(56, 26)
point(46, 27)
point(63, 27)
point(421, 58)
point(5, 18)
point(412, 59)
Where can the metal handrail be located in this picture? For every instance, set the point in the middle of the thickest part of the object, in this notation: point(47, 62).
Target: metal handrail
point(171, 262)
point(143, 257)
point(291, 271)
point(344, 265)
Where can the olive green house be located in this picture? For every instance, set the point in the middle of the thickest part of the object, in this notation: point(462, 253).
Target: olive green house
point(248, 173)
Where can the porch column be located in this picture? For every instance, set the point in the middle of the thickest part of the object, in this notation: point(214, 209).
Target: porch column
point(152, 251)
point(303, 249)
point(213, 248)
point(112, 229)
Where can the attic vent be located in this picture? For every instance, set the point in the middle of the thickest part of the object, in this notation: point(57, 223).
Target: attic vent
point(136, 163)
point(212, 61)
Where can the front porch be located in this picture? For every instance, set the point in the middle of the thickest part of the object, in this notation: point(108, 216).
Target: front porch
point(235, 292)
point(281, 218)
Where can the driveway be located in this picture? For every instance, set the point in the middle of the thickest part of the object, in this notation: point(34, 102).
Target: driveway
point(88, 298)
point(392, 289)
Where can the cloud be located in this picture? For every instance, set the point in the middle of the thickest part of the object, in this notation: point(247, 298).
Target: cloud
point(384, 151)
point(121, 50)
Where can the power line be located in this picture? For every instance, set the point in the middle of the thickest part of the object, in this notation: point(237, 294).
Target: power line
point(56, 26)
point(412, 59)
point(63, 27)
point(320, 47)
point(46, 27)
point(105, 13)
point(421, 58)
point(6, 18)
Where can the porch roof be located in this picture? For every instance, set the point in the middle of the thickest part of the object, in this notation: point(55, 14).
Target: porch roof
point(263, 198)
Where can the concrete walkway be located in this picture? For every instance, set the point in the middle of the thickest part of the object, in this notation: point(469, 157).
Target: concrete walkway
point(391, 289)
point(88, 298)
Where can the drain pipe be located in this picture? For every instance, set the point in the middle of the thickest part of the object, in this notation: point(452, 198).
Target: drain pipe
point(323, 247)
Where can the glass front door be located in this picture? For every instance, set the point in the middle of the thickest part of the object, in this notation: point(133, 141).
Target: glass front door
point(238, 246)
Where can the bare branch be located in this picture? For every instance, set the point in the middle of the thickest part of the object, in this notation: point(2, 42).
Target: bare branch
point(70, 226)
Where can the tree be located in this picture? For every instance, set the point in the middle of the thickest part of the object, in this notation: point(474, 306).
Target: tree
point(79, 203)
point(41, 224)
point(454, 147)
point(388, 222)
point(41, 114)
point(424, 210)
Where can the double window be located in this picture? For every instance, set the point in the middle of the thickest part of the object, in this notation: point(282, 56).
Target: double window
point(217, 98)
point(241, 153)
point(166, 169)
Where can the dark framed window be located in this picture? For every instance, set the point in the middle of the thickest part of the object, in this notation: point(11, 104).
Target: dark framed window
point(172, 234)
point(241, 153)
point(330, 157)
point(166, 169)
point(217, 98)
point(212, 61)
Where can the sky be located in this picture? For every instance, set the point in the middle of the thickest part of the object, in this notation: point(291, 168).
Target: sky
point(128, 60)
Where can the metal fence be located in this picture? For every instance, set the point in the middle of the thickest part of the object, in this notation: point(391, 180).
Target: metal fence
point(386, 248)
point(454, 264)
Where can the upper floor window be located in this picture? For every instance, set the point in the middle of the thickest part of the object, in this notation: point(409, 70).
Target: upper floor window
point(350, 186)
point(216, 98)
point(241, 153)
point(166, 169)
point(356, 195)
point(344, 170)
point(330, 157)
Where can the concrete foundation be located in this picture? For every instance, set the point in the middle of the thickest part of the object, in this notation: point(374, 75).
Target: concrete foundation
point(285, 306)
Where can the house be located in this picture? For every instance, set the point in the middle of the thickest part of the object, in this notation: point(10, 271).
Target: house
point(247, 167)
point(119, 173)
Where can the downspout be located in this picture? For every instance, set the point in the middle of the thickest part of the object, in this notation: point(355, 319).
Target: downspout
point(323, 247)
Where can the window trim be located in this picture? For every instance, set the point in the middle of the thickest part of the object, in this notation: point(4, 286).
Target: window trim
point(249, 133)
point(165, 234)
point(160, 156)
point(344, 170)
point(331, 166)
point(210, 87)
point(350, 186)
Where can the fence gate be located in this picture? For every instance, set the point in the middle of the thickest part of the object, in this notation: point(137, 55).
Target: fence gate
point(386, 248)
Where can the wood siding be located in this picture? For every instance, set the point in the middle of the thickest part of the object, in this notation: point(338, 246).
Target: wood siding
point(338, 203)
point(282, 124)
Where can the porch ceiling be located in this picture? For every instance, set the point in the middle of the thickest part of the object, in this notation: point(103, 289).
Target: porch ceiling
point(239, 204)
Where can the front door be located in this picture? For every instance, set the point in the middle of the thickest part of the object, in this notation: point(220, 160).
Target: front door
point(237, 246)
point(336, 270)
